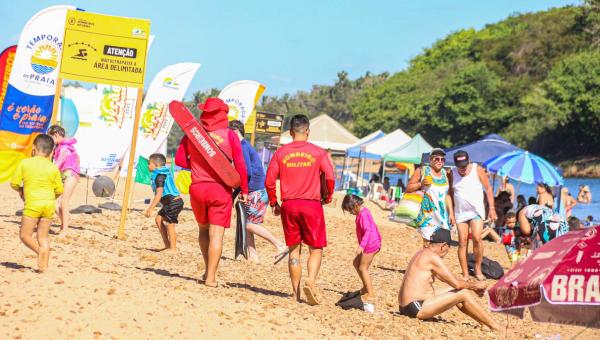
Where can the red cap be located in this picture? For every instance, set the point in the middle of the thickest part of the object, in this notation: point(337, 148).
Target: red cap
point(214, 114)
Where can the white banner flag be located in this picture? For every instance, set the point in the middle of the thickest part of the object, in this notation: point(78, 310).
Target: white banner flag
point(105, 125)
point(241, 97)
point(170, 84)
point(27, 107)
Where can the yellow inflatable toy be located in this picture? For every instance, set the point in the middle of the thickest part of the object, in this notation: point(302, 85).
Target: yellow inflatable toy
point(183, 180)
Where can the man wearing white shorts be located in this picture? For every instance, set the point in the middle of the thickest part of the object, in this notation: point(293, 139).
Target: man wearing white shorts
point(468, 181)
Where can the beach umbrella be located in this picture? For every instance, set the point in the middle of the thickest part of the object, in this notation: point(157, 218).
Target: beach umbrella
point(525, 167)
point(559, 282)
point(479, 151)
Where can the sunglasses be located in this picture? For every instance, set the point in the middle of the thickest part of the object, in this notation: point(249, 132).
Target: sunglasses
point(438, 159)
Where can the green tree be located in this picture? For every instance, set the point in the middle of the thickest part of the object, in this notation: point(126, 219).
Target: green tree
point(569, 101)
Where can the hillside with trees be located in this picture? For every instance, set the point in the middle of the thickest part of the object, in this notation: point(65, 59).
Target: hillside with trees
point(534, 78)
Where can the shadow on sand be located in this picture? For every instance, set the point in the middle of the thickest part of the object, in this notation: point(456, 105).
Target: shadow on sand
point(401, 271)
point(167, 273)
point(92, 230)
point(257, 289)
point(13, 265)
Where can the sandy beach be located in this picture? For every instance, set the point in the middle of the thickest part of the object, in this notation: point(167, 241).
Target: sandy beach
point(100, 287)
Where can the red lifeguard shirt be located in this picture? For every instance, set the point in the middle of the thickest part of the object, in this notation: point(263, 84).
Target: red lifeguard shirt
point(188, 157)
point(298, 167)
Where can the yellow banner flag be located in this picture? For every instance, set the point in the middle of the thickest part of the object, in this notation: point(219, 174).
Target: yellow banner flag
point(105, 49)
point(251, 122)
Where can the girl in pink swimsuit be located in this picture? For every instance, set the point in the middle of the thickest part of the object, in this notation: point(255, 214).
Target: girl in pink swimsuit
point(67, 161)
point(369, 241)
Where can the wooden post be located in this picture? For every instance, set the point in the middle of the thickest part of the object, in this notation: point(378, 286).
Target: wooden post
point(128, 181)
point(59, 82)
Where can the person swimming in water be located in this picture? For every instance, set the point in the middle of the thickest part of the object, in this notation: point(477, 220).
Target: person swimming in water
point(585, 195)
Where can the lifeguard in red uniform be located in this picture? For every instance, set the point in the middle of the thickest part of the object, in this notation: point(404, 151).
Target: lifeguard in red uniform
point(211, 198)
point(298, 166)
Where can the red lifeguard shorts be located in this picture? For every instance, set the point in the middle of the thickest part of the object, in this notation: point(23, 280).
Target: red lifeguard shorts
point(303, 221)
point(211, 203)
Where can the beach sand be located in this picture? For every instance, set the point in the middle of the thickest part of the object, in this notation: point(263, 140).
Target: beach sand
point(100, 287)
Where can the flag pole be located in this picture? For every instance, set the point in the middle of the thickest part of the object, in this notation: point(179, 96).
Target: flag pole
point(253, 137)
point(129, 180)
point(59, 82)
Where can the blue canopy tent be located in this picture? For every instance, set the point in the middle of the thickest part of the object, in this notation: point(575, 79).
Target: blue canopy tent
point(357, 151)
point(480, 151)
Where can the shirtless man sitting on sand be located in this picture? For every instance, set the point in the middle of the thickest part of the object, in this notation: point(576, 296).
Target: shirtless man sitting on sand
point(417, 297)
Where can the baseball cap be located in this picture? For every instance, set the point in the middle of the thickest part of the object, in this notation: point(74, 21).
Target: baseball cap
point(461, 158)
point(438, 152)
point(441, 236)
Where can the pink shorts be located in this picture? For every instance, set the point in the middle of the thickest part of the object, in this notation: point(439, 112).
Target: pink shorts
point(303, 221)
point(211, 203)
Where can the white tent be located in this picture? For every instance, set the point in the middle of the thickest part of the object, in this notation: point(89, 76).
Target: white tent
point(369, 137)
point(326, 133)
point(388, 143)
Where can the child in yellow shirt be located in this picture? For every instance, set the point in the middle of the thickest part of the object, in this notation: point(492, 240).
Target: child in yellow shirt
point(39, 183)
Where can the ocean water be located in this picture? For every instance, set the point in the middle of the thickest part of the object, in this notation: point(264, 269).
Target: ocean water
point(581, 211)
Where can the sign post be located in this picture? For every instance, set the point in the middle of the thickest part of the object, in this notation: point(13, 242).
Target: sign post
point(108, 50)
point(55, 112)
point(129, 179)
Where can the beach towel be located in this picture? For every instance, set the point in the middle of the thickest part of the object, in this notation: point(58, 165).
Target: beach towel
point(408, 208)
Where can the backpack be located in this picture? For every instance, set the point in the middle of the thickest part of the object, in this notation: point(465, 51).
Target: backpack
point(489, 268)
point(351, 300)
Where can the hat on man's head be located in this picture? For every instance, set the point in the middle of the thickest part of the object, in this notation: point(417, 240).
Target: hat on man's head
point(438, 152)
point(461, 158)
point(441, 236)
point(214, 114)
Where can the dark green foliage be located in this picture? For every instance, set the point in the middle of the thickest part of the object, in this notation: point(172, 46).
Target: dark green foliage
point(534, 78)
point(567, 105)
point(331, 100)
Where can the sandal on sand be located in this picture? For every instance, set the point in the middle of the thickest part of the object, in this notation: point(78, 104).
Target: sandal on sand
point(311, 296)
point(281, 255)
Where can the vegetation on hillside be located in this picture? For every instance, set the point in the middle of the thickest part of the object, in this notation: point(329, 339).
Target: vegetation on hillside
point(534, 78)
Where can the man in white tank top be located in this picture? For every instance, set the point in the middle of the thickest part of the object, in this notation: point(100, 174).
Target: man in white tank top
point(468, 181)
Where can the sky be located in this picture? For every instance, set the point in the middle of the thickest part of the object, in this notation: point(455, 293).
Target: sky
point(286, 45)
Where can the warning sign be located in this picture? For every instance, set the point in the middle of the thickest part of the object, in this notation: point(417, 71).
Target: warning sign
point(269, 123)
point(104, 49)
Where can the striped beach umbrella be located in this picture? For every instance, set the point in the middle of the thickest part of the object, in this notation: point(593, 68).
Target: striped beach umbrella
point(525, 167)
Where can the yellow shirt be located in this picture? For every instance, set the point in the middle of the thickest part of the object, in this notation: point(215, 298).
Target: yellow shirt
point(39, 178)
